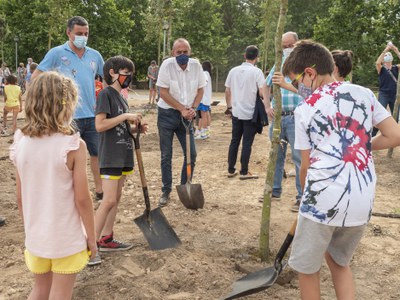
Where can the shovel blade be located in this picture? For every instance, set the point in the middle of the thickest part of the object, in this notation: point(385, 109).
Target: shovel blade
point(157, 231)
point(191, 195)
point(254, 282)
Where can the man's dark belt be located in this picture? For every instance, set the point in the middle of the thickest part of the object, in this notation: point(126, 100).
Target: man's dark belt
point(288, 113)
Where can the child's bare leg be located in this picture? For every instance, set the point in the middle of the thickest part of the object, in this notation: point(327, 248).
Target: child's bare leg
point(5, 112)
point(110, 190)
point(208, 113)
point(41, 287)
point(309, 286)
point(109, 224)
point(15, 117)
point(62, 286)
point(342, 278)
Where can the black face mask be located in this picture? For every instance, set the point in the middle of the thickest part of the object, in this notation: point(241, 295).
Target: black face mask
point(125, 82)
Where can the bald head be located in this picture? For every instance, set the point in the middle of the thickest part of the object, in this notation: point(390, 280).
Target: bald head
point(289, 39)
point(181, 46)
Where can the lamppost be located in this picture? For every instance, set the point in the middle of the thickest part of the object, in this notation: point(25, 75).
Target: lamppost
point(165, 28)
point(16, 40)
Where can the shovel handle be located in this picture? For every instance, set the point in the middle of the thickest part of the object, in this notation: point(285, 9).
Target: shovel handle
point(286, 244)
point(139, 158)
point(188, 144)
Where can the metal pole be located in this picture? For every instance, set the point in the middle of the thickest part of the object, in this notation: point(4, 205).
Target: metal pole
point(164, 43)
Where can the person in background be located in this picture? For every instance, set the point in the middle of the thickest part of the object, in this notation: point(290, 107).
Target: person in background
point(242, 84)
point(81, 63)
point(28, 72)
point(343, 64)
point(333, 134)
point(177, 108)
point(21, 76)
point(56, 207)
point(13, 103)
point(152, 74)
point(28, 77)
point(290, 99)
point(388, 75)
point(98, 80)
point(203, 131)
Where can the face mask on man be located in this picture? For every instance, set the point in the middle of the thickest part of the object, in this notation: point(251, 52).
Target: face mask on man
point(287, 51)
point(304, 91)
point(124, 80)
point(182, 59)
point(80, 41)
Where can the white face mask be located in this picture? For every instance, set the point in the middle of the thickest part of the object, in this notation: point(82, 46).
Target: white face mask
point(80, 41)
point(388, 57)
point(287, 51)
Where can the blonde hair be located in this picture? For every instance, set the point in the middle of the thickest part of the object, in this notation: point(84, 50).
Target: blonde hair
point(49, 105)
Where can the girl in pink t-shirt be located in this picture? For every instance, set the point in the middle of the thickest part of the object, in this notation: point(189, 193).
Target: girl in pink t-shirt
point(52, 188)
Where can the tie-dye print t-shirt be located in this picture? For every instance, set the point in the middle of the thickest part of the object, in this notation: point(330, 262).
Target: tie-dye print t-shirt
point(335, 124)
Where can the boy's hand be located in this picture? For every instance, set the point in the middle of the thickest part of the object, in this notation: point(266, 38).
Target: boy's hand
point(188, 113)
point(278, 79)
point(134, 118)
point(143, 128)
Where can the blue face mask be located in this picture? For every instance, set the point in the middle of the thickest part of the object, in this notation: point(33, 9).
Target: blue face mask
point(304, 91)
point(80, 41)
point(182, 59)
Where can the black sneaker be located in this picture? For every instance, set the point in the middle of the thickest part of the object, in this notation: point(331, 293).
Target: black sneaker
point(164, 199)
point(99, 196)
point(95, 261)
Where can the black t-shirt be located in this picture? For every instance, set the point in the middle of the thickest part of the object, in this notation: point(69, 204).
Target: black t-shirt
point(115, 144)
point(387, 84)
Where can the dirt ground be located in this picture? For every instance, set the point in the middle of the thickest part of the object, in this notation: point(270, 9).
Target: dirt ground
point(216, 240)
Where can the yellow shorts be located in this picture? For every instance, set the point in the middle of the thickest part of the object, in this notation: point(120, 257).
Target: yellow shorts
point(11, 108)
point(66, 265)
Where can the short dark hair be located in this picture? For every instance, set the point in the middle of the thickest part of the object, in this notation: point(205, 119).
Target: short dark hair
point(207, 66)
point(77, 20)
point(33, 67)
point(306, 54)
point(11, 79)
point(251, 52)
point(117, 63)
point(344, 61)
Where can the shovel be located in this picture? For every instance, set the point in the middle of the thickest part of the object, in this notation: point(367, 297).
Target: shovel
point(191, 195)
point(155, 227)
point(258, 281)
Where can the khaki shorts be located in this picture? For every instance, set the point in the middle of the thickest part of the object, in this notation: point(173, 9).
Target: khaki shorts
point(11, 108)
point(313, 239)
point(66, 265)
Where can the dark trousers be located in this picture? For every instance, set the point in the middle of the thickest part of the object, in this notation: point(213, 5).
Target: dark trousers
point(246, 129)
point(170, 124)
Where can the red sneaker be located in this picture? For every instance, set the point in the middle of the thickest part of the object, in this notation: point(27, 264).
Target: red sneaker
point(108, 244)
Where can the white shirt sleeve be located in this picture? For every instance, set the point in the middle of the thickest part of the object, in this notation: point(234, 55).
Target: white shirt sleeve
point(163, 79)
point(260, 79)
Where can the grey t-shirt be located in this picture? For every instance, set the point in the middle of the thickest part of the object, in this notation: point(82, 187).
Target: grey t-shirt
point(115, 144)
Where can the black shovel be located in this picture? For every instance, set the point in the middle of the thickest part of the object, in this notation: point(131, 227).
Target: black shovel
point(191, 195)
point(258, 281)
point(155, 227)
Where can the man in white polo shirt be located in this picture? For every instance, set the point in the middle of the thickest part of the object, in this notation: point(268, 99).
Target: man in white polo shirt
point(242, 85)
point(181, 81)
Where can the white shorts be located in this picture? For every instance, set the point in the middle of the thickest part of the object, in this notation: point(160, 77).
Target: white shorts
point(313, 239)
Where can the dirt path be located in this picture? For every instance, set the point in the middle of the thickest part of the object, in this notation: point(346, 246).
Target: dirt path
point(214, 239)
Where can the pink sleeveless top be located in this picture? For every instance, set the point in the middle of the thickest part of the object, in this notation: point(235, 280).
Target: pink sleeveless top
point(53, 227)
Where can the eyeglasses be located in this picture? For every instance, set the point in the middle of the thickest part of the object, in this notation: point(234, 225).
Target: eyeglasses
point(295, 82)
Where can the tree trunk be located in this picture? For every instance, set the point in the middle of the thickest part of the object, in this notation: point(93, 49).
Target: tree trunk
point(395, 114)
point(266, 34)
point(269, 181)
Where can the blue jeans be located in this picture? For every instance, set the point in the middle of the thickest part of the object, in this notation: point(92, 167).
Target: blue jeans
point(87, 130)
point(169, 122)
point(246, 129)
point(287, 135)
